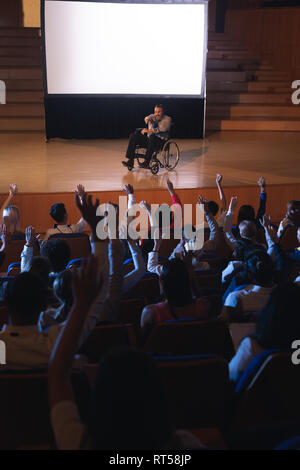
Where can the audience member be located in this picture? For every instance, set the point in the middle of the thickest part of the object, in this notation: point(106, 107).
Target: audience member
point(60, 216)
point(128, 407)
point(278, 326)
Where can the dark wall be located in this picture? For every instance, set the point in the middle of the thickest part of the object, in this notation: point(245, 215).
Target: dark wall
point(11, 13)
point(94, 117)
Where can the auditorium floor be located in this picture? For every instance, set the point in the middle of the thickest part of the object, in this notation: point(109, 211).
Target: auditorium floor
point(37, 167)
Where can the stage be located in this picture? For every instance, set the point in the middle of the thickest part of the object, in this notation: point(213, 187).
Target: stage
point(42, 169)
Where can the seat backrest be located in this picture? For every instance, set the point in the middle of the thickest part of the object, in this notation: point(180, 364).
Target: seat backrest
point(147, 289)
point(12, 253)
point(104, 337)
point(209, 278)
point(289, 239)
point(167, 247)
point(3, 315)
point(25, 417)
point(181, 337)
point(79, 243)
point(130, 311)
point(197, 388)
point(272, 395)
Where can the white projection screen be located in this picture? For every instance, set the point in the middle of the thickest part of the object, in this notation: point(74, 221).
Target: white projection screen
point(125, 48)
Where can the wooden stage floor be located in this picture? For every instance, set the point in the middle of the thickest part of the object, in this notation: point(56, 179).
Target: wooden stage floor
point(241, 157)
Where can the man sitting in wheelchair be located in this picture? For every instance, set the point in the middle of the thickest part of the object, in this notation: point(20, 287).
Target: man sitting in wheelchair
point(152, 138)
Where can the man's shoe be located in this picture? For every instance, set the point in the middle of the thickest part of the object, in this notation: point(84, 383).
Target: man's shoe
point(144, 165)
point(128, 164)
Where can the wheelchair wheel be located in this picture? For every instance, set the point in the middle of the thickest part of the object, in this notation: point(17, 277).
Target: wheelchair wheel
point(170, 153)
point(154, 167)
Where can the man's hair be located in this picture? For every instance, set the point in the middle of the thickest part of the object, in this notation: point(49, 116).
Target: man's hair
point(247, 229)
point(58, 212)
point(213, 207)
point(159, 106)
point(260, 268)
point(26, 297)
point(58, 252)
point(40, 266)
point(246, 212)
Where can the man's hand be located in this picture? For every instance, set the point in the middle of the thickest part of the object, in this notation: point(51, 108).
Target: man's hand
point(219, 179)
point(128, 189)
point(147, 119)
point(144, 131)
point(145, 205)
point(233, 204)
point(203, 204)
point(80, 190)
point(270, 230)
point(30, 236)
point(88, 211)
point(13, 189)
point(262, 183)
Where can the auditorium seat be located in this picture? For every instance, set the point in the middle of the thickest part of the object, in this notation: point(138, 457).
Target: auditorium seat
point(268, 391)
point(130, 311)
point(289, 239)
point(3, 315)
point(147, 289)
point(79, 243)
point(25, 417)
point(106, 336)
point(180, 337)
point(197, 388)
point(208, 279)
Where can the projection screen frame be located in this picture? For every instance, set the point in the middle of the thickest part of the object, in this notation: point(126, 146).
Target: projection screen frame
point(63, 117)
point(202, 95)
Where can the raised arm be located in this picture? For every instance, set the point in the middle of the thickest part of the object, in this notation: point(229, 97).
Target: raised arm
point(211, 243)
point(81, 224)
point(86, 286)
point(13, 189)
point(262, 199)
point(229, 237)
point(221, 192)
point(27, 252)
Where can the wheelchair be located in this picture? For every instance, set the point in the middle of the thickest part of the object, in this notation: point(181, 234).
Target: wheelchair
point(166, 157)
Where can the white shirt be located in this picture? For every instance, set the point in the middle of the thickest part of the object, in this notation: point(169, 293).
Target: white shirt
point(28, 347)
point(74, 228)
point(249, 348)
point(250, 299)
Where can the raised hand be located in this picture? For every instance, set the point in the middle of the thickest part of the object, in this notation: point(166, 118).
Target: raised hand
point(128, 189)
point(270, 230)
point(13, 189)
point(145, 205)
point(203, 203)
point(88, 211)
point(80, 190)
point(219, 179)
point(233, 204)
point(30, 235)
point(262, 183)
